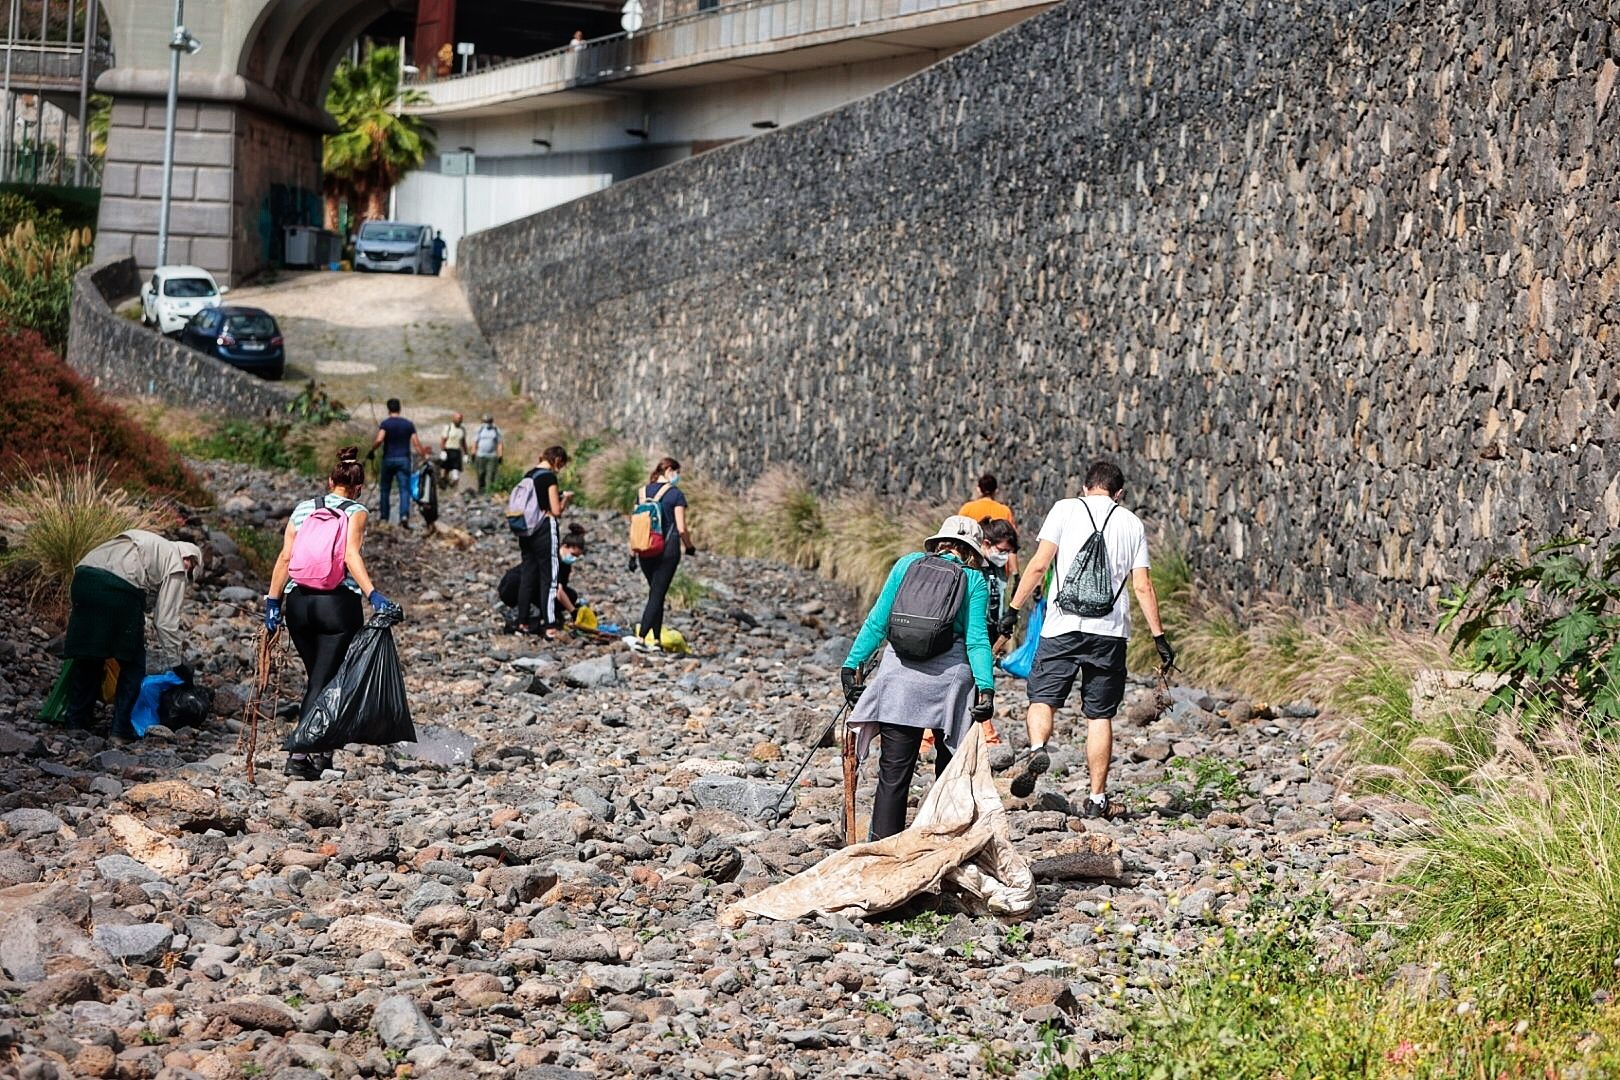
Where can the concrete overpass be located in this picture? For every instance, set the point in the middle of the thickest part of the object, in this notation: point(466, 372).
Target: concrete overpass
point(248, 142)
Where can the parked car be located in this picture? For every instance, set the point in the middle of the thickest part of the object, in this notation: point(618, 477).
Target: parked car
point(394, 246)
point(175, 293)
point(243, 337)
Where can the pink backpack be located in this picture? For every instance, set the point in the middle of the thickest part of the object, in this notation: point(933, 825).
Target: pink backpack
point(320, 546)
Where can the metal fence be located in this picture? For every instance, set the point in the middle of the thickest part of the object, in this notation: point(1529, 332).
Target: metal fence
point(689, 38)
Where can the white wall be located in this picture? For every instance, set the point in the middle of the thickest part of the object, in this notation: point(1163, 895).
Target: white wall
point(591, 147)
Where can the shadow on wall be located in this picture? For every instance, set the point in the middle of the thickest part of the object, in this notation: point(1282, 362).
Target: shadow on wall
point(1341, 319)
point(123, 358)
point(285, 205)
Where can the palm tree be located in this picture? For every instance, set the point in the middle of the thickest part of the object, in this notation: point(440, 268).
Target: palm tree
point(374, 147)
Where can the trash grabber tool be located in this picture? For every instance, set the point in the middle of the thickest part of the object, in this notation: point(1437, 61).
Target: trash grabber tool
point(849, 787)
point(776, 811)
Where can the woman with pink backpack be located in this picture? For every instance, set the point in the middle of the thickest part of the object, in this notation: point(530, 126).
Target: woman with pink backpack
point(318, 582)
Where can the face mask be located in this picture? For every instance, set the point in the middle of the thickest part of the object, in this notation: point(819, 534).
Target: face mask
point(569, 560)
point(674, 479)
point(997, 558)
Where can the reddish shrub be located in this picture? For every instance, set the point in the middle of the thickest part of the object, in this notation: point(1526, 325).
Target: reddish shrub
point(49, 415)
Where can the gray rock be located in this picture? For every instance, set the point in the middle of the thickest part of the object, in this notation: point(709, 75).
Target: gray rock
point(399, 1023)
point(22, 954)
point(17, 869)
point(117, 869)
point(31, 822)
point(719, 861)
point(596, 672)
point(620, 980)
point(747, 798)
point(430, 894)
point(143, 943)
point(239, 594)
point(14, 742)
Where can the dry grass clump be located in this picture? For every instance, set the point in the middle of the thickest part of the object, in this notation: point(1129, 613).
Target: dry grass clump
point(57, 516)
point(612, 476)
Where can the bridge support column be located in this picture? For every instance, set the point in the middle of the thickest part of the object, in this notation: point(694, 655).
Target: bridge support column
point(241, 174)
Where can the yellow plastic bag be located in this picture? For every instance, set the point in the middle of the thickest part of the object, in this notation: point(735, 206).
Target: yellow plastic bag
point(584, 617)
point(673, 641)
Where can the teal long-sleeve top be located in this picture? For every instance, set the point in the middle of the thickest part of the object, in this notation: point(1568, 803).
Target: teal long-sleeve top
point(970, 623)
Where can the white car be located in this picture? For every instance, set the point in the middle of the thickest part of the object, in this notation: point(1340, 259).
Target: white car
point(176, 293)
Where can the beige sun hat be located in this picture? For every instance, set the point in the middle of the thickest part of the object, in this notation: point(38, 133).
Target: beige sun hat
point(961, 528)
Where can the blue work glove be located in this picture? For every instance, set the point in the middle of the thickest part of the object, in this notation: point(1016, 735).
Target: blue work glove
point(272, 614)
point(379, 602)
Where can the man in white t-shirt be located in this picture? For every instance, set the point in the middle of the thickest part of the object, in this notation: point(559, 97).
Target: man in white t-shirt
point(1090, 649)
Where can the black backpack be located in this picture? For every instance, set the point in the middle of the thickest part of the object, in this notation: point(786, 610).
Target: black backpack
point(1088, 588)
point(922, 622)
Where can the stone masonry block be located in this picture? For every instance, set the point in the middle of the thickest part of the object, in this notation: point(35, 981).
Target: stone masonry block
point(118, 179)
point(212, 116)
point(130, 215)
point(213, 185)
point(151, 182)
point(200, 219)
point(213, 254)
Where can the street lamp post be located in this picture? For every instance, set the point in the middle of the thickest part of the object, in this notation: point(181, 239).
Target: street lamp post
point(180, 42)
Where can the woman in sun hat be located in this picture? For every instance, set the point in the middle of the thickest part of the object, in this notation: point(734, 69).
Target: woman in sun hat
point(911, 694)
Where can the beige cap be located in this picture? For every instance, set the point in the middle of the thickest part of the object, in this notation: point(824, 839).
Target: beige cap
point(961, 528)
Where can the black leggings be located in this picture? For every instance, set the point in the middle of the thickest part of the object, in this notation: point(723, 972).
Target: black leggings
point(897, 764)
point(537, 583)
point(322, 624)
point(659, 573)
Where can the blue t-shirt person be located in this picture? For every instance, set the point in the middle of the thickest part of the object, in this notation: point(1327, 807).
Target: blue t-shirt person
point(397, 434)
point(667, 502)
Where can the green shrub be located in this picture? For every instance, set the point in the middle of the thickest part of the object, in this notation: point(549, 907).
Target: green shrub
point(36, 278)
point(1549, 626)
point(62, 514)
point(612, 477)
point(267, 444)
point(314, 405)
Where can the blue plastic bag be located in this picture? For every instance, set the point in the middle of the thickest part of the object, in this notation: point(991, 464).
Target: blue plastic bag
point(1022, 659)
point(145, 716)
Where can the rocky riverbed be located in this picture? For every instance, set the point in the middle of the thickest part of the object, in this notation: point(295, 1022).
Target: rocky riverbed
point(532, 890)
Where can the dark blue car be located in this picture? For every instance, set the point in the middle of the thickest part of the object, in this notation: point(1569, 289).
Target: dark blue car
point(243, 337)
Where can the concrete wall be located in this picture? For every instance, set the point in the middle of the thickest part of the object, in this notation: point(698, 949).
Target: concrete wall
point(123, 357)
point(591, 148)
point(1337, 282)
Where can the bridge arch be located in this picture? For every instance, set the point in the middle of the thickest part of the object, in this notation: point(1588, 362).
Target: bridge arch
point(248, 139)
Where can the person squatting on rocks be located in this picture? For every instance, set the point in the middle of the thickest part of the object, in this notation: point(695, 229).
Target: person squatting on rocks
point(571, 549)
point(659, 566)
point(489, 450)
point(537, 585)
point(397, 437)
point(453, 445)
point(937, 673)
point(113, 586)
point(317, 585)
point(1088, 647)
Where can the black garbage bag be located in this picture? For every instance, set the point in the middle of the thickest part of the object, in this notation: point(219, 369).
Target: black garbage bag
point(365, 701)
point(508, 588)
point(186, 705)
point(425, 492)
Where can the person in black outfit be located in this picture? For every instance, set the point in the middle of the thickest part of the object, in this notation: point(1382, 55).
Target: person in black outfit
point(662, 487)
point(537, 587)
point(323, 622)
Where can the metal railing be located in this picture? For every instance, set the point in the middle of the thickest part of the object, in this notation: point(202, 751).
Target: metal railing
point(33, 63)
point(693, 38)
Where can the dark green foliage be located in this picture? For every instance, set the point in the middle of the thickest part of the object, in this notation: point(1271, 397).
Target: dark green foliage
point(1549, 625)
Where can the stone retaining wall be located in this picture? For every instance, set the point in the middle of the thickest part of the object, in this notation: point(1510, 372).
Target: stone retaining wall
point(123, 357)
point(1337, 282)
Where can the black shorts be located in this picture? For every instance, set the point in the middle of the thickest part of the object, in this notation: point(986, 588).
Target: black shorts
point(1100, 659)
point(452, 460)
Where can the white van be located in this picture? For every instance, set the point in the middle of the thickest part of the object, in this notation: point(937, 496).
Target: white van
point(394, 246)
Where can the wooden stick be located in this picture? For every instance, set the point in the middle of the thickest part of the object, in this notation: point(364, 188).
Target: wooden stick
point(849, 787)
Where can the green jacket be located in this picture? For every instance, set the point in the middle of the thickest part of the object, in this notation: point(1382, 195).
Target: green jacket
point(970, 623)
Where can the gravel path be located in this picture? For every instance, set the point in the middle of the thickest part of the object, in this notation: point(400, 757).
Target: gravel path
point(376, 336)
point(533, 891)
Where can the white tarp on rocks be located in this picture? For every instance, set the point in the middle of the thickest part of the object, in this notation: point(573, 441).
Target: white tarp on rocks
point(959, 842)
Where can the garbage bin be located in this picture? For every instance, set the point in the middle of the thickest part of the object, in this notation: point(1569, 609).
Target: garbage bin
point(299, 245)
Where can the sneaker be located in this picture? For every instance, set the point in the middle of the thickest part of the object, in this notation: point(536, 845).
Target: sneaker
point(1031, 767)
point(1095, 806)
point(633, 643)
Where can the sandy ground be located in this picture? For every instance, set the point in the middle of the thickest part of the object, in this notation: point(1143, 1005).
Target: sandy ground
point(370, 337)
